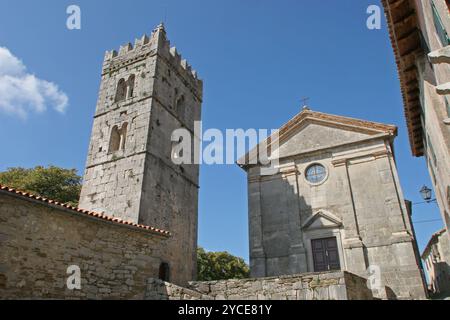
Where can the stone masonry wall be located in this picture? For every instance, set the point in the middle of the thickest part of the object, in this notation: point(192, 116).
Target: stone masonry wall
point(160, 290)
point(39, 241)
point(140, 182)
point(436, 119)
point(313, 286)
point(170, 191)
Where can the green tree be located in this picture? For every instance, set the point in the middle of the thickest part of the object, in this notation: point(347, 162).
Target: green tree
point(220, 266)
point(63, 185)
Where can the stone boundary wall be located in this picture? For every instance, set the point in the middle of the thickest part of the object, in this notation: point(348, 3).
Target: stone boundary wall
point(313, 286)
point(340, 285)
point(160, 290)
point(39, 241)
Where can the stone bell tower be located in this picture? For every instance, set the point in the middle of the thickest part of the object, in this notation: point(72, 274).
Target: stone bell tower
point(147, 91)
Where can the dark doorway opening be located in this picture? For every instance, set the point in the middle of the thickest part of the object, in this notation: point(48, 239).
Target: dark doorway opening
point(164, 272)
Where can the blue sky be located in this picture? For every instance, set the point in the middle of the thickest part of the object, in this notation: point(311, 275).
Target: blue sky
point(257, 58)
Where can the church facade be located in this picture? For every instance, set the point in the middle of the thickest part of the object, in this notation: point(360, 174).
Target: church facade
point(334, 204)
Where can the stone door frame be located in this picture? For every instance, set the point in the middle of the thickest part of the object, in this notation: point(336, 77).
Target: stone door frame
point(315, 234)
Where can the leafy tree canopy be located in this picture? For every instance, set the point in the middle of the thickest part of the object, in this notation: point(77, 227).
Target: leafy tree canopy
point(220, 266)
point(63, 185)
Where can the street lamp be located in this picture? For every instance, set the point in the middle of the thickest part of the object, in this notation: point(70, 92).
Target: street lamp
point(425, 192)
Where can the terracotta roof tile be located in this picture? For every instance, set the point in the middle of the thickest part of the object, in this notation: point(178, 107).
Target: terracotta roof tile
point(431, 241)
point(406, 27)
point(83, 211)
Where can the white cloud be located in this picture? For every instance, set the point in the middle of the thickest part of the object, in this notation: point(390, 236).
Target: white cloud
point(22, 92)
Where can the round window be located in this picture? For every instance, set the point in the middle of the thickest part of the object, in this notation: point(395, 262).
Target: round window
point(315, 173)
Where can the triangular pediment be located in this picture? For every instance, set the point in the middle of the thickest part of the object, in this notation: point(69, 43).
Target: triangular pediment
point(314, 135)
point(309, 131)
point(322, 219)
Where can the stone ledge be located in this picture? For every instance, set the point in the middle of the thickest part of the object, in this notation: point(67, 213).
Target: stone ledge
point(440, 56)
point(443, 89)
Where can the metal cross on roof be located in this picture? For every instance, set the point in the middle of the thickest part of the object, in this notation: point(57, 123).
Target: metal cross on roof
point(304, 101)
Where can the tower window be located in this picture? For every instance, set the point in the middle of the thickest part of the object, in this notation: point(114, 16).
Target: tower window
point(180, 105)
point(174, 99)
point(164, 272)
point(114, 142)
point(118, 137)
point(125, 89)
point(121, 90)
point(130, 86)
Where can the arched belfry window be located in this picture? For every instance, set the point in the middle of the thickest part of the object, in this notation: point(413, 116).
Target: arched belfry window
point(121, 90)
point(114, 141)
point(130, 86)
point(125, 89)
point(118, 138)
point(164, 272)
point(180, 104)
point(123, 135)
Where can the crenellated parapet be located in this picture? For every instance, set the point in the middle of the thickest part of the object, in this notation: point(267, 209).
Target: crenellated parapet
point(146, 46)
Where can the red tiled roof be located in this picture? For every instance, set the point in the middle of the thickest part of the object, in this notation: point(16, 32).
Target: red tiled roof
point(82, 211)
point(431, 241)
point(405, 38)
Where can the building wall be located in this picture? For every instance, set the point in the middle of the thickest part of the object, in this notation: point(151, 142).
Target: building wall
point(171, 190)
point(38, 242)
point(112, 181)
point(360, 203)
point(141, 183)
point(436, 115)
point(444, 249)
point(437, 264)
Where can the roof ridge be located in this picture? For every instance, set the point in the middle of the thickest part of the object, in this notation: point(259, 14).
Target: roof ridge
point(83, 211)
point(344, 121)
point(329, 116)
point(429, 243)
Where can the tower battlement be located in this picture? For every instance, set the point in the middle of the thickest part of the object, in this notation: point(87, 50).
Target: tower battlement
point(145, 46)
